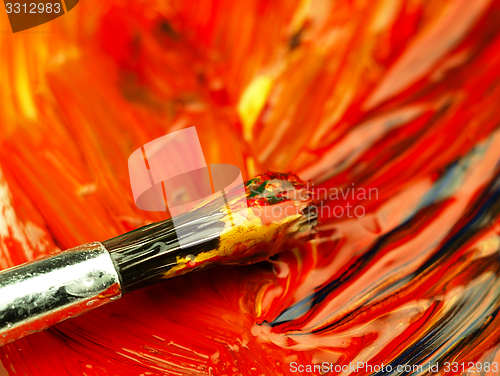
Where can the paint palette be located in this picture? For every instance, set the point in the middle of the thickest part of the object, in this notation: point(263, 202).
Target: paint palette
point(388, 108)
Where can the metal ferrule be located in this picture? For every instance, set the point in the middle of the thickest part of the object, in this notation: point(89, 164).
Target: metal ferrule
point(42, 293)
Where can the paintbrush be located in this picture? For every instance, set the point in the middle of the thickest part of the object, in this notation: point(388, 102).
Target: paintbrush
point(274, 213)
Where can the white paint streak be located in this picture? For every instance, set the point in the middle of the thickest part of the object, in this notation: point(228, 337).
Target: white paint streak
point(28, 235)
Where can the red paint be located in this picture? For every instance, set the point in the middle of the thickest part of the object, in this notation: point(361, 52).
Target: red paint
point(410, 274)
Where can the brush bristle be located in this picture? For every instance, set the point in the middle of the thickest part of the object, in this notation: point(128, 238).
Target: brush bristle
point(205, 237)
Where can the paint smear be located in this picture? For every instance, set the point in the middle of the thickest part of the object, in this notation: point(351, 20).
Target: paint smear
point(390, 108)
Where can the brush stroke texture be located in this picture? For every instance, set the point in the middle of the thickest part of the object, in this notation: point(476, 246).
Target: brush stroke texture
point(354, 97)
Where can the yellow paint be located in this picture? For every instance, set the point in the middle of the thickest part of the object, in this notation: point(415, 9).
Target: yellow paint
point(251, 166)
point(22, 83)
point(250, 232)
point(384, 15)
point(251, 103)
point(258, 299)
point(298, 256)
point(300, 15)
point(488, 247)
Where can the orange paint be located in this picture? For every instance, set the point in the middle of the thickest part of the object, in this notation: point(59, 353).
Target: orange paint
point(401, 97)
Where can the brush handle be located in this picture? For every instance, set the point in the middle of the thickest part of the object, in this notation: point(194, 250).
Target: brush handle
point(39, 294)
